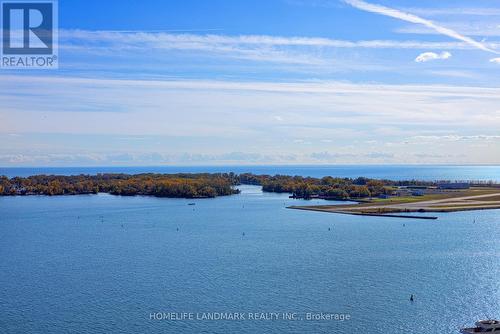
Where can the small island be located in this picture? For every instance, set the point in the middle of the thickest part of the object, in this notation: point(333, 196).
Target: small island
point(387, 198)
point(203, 185)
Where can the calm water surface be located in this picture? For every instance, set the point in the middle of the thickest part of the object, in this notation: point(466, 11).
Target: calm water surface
point(103, 264)
point(392, 172)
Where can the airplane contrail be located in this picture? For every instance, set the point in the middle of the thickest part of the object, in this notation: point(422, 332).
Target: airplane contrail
point(374, 8)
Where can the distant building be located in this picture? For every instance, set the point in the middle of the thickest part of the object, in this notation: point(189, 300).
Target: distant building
point(454, 185)
point(417, 187)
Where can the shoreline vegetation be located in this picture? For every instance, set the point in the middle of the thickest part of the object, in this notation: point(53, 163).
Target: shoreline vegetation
point(372, 196)
point(202, 185)
point(205, 185)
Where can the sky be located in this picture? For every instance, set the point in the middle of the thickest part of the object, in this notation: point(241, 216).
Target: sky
point(226, 82)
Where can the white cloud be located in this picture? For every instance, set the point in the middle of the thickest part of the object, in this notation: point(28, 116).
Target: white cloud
point(138, 158)
point(427, 56)
point(437, 138)
point(480, 29)
point(293, 54)
point(218, 117)
point(234, 109)
point(395, 13)
point(134, 40)
point(495, 60)
point(469, 11)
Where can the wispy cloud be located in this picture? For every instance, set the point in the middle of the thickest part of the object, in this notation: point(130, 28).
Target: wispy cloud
point(479, 28)
point(398, 14)
point(136, 40)
point(138, 158)
point(466, 11)
point(255, 48)
point(155, 52)
point(207, 107)
point(198, 119)
point(427, 139)
point(495, 60)
point(427, 56)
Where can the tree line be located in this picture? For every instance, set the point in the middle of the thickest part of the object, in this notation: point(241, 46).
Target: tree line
point(201, 185)
point(159, 185)
point(327, 187)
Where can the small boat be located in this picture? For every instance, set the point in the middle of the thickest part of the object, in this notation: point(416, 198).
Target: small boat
point(191, 203)
point(483, 326)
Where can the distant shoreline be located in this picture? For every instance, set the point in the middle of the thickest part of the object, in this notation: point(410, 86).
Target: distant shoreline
point(374, 196)
point(423, 172)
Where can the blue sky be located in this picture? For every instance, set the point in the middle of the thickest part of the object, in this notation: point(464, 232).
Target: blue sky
point(260, 82)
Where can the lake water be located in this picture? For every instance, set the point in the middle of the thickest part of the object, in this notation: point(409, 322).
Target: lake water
point(104, 264)
point(393, 172)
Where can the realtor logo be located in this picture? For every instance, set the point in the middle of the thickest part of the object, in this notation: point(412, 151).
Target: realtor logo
point(29, 34)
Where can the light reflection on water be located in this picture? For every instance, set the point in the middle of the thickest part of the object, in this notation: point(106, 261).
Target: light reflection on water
point(103, 263)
